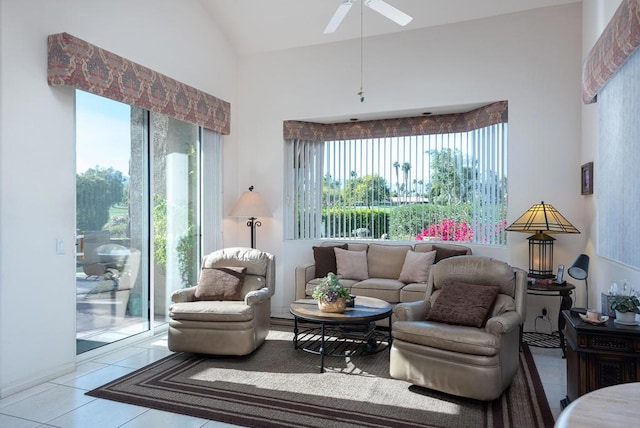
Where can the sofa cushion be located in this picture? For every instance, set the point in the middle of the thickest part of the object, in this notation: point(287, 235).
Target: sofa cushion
point(379, 288)
point(346, 283)
point(416, 267)
point(385, 261)
point(351, 264)
point(234, 311)
point(455, 338)
point(463, 304)
point(220, 283)
point(443, 252)
point(325, 259)
point(413, 292)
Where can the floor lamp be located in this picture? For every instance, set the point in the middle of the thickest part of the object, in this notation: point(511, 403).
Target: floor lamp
point(251, 205)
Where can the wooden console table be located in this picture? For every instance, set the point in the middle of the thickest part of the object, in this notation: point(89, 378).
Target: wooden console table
point(599, 355)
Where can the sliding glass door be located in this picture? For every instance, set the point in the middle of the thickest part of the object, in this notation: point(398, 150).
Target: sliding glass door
point(176, 205)
point(137, 217)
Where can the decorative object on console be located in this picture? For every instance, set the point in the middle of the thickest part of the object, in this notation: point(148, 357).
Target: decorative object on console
point(331, 294)
point(580, 270)
point(625, 303)
point(251, 205)
point(542, 219)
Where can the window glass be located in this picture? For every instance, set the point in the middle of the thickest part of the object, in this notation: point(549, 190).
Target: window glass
point(450, 187)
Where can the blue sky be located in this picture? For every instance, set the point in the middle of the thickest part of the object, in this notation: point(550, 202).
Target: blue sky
point(103, 133)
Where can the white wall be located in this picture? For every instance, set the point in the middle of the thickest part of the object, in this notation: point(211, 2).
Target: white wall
point(37, 172)
point(602, 272)
point(531, 59)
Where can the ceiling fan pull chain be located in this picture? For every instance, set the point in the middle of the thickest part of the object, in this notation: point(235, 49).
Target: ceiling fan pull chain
point(361, 93)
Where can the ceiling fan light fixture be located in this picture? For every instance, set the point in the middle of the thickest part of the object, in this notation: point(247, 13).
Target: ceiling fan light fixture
point(388, 11)
point(337, 17)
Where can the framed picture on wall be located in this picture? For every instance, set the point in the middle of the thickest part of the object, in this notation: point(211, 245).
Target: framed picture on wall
point(587, 178)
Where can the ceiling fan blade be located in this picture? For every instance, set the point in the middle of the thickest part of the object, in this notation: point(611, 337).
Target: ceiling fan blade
point(338, 16)
point(388, 11)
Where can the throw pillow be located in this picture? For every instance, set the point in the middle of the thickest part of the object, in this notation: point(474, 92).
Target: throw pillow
point(325, 259)
point(220, 283)
point(463, 304)
point(352, 264)
point(416, 266)
point(445, 253)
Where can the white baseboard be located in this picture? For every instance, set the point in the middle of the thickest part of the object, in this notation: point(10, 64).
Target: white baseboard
point(35, 380)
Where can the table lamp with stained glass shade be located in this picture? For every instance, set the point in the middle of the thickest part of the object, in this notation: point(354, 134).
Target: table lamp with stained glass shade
point(542, 220)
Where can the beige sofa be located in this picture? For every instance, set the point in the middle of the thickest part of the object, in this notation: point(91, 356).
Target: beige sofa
point(384, 266)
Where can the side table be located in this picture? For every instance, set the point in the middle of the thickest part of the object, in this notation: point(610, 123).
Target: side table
point(599, 355)
point(564, 291)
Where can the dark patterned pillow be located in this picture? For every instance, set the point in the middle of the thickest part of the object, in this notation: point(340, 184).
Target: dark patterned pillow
point(445, 253)
point(221, 283)
point(461, 303)
point(325, 259)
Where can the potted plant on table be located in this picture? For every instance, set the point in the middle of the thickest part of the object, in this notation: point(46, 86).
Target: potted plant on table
point(331, 294)
point(626, 304)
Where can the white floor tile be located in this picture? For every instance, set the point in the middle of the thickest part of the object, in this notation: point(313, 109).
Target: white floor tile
point(81, 370)
point(99, 414)
point(23, 395)
point(13, 422)
point(114, 357)
point(158, 418)
point(49, 404)
point(144, 358)
point(99, 377)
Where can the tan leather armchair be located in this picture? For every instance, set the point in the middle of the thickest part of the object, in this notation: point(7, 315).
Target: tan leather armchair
point(231, 327)
point(473, 362)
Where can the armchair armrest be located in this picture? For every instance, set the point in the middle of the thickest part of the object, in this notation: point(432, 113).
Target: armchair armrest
point(412, 311)
point(304, 274)
point(257, 296)
point(503, 323)
point(184, 295)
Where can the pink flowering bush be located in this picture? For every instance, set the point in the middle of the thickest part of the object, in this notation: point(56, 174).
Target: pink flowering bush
point(447, 230)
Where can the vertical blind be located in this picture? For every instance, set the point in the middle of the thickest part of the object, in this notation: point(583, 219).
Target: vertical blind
point(351, 188)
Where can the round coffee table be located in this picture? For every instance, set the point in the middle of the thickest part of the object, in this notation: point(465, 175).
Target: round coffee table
point(350, 333)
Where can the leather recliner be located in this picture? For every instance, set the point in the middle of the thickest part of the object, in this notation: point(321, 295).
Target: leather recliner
point(231, 327)
point(473, 362)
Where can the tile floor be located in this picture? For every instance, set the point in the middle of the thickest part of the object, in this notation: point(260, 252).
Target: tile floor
point(62, 402)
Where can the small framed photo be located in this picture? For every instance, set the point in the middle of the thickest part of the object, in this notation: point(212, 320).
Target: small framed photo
point(587, 178)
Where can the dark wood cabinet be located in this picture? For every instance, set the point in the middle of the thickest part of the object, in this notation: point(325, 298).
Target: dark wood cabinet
point(599, 355)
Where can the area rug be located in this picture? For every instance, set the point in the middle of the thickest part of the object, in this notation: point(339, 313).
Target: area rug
point(278, 386)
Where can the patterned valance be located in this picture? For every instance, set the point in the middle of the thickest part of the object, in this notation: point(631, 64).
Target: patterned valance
point(407, 126)
point(74, 62)
point(616, 43)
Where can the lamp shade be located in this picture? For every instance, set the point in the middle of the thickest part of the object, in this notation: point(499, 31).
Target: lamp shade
point(542, 218)
point(250, 204)
point(580, 267)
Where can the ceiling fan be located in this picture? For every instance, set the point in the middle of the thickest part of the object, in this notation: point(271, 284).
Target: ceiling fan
point(380, 6)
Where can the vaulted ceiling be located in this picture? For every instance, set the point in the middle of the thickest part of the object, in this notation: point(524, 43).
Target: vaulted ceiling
point(266, 25)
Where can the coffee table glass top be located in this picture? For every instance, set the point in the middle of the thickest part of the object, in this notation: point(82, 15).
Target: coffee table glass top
point(365, 309)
